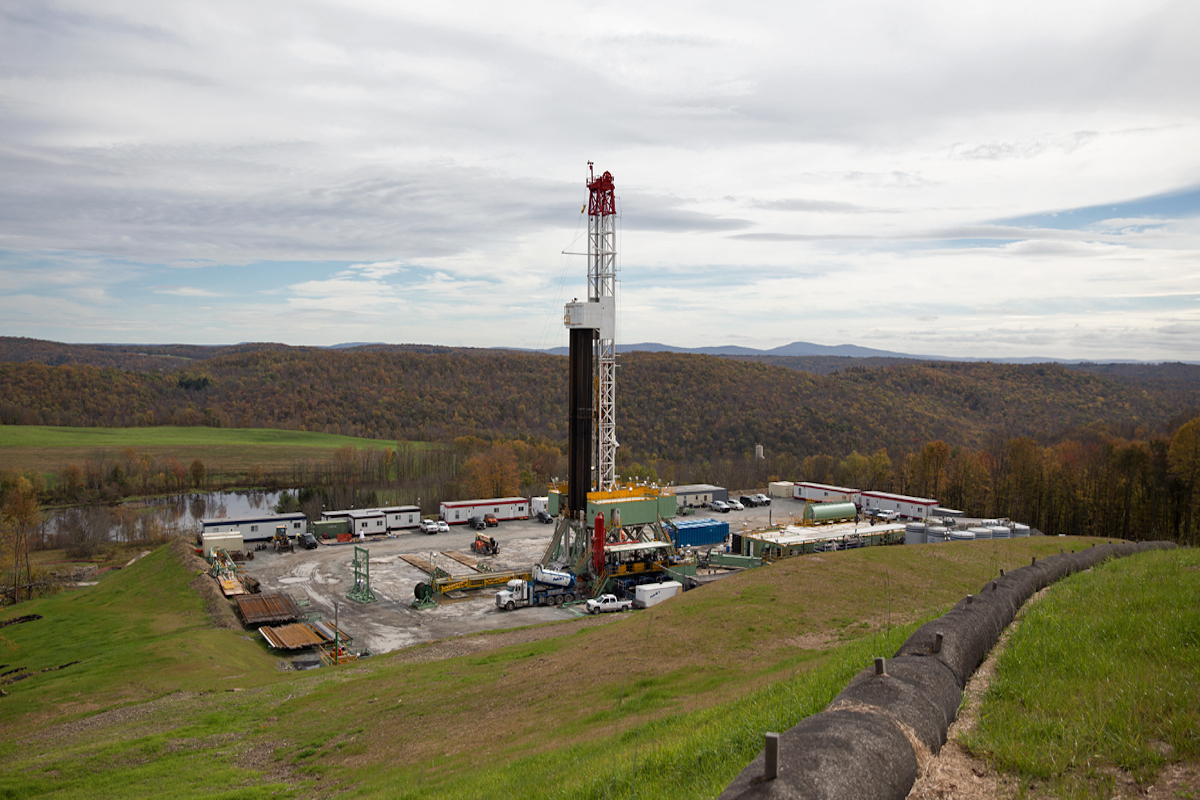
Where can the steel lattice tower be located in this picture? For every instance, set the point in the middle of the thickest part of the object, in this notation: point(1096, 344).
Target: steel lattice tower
point(602, 289)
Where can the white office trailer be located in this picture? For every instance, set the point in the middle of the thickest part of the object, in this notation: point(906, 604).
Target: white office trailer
point(537, 504)
point(459, 512)
point(905, 507)
point(823, 493)
point(257, 528)
point(394, 518)
point(368, 522)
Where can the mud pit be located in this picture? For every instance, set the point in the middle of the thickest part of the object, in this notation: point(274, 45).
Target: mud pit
point(318, 578)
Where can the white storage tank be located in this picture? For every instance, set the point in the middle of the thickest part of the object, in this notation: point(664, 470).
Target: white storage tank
point(914, 533)
point(1020, 530)
point(999, 531)
point(962, 536)
point(980, 532)
point(936, 534)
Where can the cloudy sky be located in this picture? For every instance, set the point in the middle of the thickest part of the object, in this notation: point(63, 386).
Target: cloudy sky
point(987, 179)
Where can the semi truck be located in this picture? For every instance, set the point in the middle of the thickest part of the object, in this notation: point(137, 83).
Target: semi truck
point(549, 587)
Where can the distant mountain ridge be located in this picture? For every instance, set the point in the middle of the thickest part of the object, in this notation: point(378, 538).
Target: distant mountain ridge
point(807, 349)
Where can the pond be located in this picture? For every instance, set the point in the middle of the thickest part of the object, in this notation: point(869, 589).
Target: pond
point(146, 519)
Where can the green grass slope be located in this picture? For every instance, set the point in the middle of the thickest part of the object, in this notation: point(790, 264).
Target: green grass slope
point(1102, 674)
point(669, 702)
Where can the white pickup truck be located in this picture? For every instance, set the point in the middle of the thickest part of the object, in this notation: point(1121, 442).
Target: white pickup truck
point(608, 602)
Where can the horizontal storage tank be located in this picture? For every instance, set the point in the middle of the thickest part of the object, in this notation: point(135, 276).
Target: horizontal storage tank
point(936, 534)
point(1020, 530)
point(980, 532)
point(1000, 531)
point(962, 536)
point(829, 512)
point(914, 533)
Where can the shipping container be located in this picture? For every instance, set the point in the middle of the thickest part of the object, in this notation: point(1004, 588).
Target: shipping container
point(699, 532)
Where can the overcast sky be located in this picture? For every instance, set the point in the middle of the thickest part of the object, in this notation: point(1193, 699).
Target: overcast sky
point(987, 179)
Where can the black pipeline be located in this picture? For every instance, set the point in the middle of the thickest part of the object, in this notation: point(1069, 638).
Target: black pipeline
point(865, 744)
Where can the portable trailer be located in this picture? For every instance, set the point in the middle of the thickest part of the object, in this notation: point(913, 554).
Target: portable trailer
point(257, 528)
point(459, 512)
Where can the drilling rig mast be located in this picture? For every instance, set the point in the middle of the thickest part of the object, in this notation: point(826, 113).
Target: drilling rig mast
point(602, 289)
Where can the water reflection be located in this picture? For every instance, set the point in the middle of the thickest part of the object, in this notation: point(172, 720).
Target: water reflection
point(175, 514)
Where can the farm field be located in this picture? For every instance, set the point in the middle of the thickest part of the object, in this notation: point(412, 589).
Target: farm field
point(37, 448)
point(669, 702)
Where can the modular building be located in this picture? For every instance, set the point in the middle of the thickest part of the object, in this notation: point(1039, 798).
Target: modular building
point(823, 493)
point(459, 512)
point(698, 532)
point(367, 522)
point(394, 518)
point(257, 528)
point(905, 507)
point(780, 489)
point(698, 494)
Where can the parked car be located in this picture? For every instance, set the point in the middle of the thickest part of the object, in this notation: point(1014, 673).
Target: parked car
point(477, 523)
point(307, 541)
point(763, 500)
point(748, 500)
point(544, 517)
point(735, 505)
point(429, 526)
point(491, 520)
point(720, 505)
point(443, 526)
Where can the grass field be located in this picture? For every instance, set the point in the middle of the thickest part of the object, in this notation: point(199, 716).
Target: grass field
point(35, 448)
point(1102, 674)
point(669, 702)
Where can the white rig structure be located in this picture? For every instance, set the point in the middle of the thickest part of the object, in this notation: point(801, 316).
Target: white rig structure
point(599, 314)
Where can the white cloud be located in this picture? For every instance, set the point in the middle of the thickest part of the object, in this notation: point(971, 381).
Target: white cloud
point(364, 170)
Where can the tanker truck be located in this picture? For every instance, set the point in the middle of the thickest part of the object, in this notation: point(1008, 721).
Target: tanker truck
point(549, 587)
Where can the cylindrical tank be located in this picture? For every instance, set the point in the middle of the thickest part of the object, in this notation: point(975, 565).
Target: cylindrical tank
point(1020, 530)
point(962, 536)
point(980, 532)
point(829, 512)
point(598, 544)
point(914, 533)
point(551, 577)
point(1000, 531)
point(936, 534)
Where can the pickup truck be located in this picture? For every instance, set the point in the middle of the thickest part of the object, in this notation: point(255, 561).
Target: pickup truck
point(606, 603)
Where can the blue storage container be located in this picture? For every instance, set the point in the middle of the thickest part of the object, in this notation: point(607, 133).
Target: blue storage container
point(699, 532)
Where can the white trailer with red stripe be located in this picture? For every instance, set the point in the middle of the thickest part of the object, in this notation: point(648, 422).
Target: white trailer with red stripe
point(905, 507)
point(459, 512)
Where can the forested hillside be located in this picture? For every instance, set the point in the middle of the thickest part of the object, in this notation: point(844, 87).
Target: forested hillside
point(675, 407)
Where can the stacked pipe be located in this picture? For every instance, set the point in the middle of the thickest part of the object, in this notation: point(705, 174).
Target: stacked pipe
point(868, 743)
